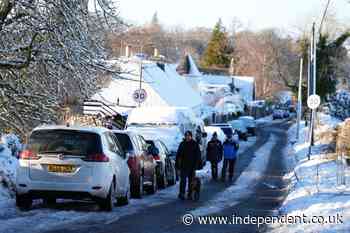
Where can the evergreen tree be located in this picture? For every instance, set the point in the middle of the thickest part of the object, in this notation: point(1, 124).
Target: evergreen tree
point(328, 55)
point(218, 52)
point(155, 20)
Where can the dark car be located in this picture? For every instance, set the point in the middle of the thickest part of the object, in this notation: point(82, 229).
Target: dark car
point(286, 114)
point(277, 114)
point(170, 171)
point(250, 123)
point(240, 127)
point(226, 128)
point(159, 157)
point(142, 165)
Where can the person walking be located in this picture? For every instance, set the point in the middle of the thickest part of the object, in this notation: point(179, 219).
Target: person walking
point(230, 148)
point(188, 159)
point(214, 154)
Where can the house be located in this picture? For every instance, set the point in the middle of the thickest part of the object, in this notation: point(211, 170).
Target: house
point(218, 90)
point(160, 83)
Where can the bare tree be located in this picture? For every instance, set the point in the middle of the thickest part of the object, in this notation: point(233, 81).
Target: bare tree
point(51, 52)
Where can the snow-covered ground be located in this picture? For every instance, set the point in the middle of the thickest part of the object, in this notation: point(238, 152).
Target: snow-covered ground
point(316, 185)
point(72, 213)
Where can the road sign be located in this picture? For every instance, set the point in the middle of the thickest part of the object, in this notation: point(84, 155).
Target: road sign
point(313, 101)
point(140, 95)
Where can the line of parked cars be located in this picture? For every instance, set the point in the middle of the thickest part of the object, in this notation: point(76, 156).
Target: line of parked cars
point(241, 128)
point(111, 166)
point(106, 166)
point(280, 114)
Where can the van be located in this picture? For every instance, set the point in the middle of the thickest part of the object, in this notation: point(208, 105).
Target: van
point(168, 124)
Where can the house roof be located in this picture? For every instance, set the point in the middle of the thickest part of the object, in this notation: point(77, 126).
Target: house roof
point(163, 85)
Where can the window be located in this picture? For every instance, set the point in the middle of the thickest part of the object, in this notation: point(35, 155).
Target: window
point(110, 143)
point(69, 142)
point(124, 141)
point(118, 147)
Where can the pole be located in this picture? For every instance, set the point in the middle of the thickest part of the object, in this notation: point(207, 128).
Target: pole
point(140, 87)
point(300, 98)
point(312, 88)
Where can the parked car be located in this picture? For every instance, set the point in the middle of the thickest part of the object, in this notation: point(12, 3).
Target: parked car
point(227, 129)
point(277, 114)
point(210, 131)
point(159, 157)
point(250, 123)
point(74, 163)
point(286, 114)
point(169, 124)
point(141, 164)
point(240, 127)
point(170, 171)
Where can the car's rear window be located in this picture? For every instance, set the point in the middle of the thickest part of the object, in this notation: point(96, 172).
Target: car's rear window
point(227, 130)
point(69, 142)
point(124, 141)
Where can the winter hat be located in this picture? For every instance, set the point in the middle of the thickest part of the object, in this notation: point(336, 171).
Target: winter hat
point(215, 134)
point(188, 133)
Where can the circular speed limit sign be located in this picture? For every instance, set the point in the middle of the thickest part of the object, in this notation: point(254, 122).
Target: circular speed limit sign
point(313, 101)
point(140, 95)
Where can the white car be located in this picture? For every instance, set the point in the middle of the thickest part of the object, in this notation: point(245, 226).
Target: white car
point(210, 131)
point(72, 163)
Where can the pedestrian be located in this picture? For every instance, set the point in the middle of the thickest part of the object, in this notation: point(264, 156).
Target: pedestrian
point(230, 148)
point(188, 159)
point(214, 154)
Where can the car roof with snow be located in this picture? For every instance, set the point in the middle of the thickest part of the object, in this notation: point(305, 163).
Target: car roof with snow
point(97, 130)
point(127, 132)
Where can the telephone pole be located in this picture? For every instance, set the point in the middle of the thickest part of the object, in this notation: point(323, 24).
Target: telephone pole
point(299, 107)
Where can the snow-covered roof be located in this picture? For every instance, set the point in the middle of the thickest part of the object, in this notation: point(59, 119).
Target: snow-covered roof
point(193, 69)
point(243, 83)
point(164, 86)
point(97, 130)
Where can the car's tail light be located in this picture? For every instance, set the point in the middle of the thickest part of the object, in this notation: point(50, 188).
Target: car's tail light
point(97, 158)
point(156, 157)
point(28, 155)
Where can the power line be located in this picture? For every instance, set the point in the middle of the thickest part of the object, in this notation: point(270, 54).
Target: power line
point(324, 16)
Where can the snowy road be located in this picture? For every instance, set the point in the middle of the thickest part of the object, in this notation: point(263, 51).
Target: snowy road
point(258, 189)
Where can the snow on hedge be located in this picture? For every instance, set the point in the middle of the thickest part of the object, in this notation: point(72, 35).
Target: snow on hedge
point(8, 166)
point(339, 104)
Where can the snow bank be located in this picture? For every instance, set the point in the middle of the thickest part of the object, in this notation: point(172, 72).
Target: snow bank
point(8, 166)
point(316, 185)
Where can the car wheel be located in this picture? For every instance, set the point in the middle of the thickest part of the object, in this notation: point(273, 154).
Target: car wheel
point(161, 179)
point(106, 204)
point(153, 188)
point(136, 187)
point(24, 202)
point(124, 200)
point(49, 201)
point(172, 180)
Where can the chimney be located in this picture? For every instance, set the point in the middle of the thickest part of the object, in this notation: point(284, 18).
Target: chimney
point(156, 52)
point(127, 51)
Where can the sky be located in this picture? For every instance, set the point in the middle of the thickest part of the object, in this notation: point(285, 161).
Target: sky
point(255, 14)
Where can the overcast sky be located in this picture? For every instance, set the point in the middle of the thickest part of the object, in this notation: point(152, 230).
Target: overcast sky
point(256, 14)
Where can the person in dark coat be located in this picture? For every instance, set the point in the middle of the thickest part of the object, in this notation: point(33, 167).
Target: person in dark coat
point(214, 154)
point(188, 159)
point(230, 148)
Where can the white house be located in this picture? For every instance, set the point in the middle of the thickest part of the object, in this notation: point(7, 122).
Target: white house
point(215, 89)
point(163, 86)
